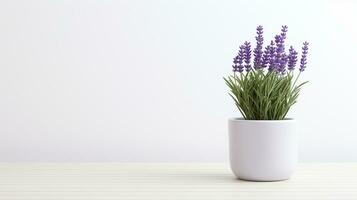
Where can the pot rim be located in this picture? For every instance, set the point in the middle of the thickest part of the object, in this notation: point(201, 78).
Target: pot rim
point(241, 119)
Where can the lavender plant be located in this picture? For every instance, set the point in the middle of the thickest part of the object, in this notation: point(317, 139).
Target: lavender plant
point(267, 89)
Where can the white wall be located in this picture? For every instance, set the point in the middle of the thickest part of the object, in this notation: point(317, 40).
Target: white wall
point(142, 80)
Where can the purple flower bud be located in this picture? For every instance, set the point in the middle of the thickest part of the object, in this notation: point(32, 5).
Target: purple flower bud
point(284, 30)
point(282, 64)
point(238, 60)
point(258, 51)
point(278, 40)
point(303, 62)
point(280, 58)
point(292, 58)
point(272, 55)
point(247, 56)
point(266, 57)
point(278, 50)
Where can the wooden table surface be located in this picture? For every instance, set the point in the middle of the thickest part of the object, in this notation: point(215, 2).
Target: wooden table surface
point(156, 181)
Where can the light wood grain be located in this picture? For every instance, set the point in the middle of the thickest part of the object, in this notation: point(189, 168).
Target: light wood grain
point(158, 181)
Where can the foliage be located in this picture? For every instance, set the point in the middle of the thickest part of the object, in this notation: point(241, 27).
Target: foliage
point(263, 96)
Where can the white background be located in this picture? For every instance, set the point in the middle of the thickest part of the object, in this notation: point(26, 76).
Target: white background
point(142, 80)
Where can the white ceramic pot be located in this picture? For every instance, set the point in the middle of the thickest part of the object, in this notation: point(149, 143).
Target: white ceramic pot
point(262, 150)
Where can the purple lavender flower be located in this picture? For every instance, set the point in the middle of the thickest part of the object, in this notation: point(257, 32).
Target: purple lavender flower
point(247, 56)
point(258, 51)
point(235, 66)
point(284, 30)
point(283, 62)
point(238, 60)
point(303, 62)
point(266, 57)
point(292, 58)
point(272, 55)
point(280, 58)
point(279, 51)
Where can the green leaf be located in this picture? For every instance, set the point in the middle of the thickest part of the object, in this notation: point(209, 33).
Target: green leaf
point(263, 95)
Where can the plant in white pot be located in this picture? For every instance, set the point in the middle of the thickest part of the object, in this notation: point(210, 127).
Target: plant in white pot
point(263, 143)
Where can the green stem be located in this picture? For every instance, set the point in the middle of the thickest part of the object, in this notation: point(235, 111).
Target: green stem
point(296, 79)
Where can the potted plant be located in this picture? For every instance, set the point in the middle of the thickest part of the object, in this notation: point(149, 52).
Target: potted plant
point(263, 143)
